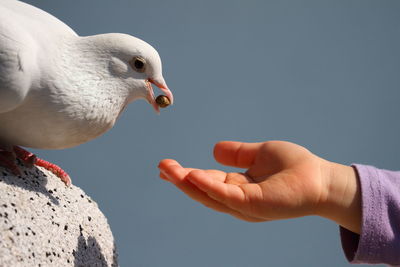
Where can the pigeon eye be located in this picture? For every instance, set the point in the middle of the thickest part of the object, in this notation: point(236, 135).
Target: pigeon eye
point(138, 64)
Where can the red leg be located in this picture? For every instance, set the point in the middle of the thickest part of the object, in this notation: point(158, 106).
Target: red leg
point(30, 159)
point(54, 169)
point(7, 160)
point(27, 157)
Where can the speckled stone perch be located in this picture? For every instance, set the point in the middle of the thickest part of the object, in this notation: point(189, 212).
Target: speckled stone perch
point(45, 223)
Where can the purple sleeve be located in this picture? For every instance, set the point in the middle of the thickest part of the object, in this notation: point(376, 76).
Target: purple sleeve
point(379, 241)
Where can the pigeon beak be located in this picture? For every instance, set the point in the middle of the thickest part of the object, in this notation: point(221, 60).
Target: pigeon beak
point(160, 83)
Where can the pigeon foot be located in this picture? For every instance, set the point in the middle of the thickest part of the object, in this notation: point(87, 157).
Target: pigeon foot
point(7, 160)
point(54, 169)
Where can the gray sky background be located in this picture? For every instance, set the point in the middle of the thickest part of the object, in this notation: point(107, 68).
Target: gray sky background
point(323, 74)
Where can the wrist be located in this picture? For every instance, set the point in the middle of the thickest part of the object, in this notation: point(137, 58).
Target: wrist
point(342, 203)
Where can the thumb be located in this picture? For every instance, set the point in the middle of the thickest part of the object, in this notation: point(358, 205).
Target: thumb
point(236, 154)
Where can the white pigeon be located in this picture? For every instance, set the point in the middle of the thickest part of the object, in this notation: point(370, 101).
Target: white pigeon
point(59, 90)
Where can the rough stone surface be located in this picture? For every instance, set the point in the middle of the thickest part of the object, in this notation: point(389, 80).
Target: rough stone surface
point(45, 223)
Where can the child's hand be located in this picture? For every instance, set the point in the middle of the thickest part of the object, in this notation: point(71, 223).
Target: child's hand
point(283, 180)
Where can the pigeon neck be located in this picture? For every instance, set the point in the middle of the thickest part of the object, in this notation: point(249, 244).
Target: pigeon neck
point(83, 72)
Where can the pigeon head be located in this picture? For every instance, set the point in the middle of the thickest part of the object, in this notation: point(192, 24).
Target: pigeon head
point(134, 64)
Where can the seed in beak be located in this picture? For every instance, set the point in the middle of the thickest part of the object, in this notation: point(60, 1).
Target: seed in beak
point(163, 101)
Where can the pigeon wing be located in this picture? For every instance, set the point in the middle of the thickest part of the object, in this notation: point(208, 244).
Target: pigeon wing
point(25, 31)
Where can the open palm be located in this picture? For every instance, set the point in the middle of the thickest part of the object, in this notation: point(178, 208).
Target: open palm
point(283, 180)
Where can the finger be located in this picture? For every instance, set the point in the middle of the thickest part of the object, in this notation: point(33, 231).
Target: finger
point(163, 176)
point(176, 172)
point(196, 194)
point(171, 170)
point(229, 194)
point(237, 178)
point(163, 164)
point(236, 154)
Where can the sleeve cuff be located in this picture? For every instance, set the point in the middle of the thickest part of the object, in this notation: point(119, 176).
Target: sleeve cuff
point(380, 228)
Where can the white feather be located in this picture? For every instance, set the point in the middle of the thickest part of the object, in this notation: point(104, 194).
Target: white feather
point(59, 90)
